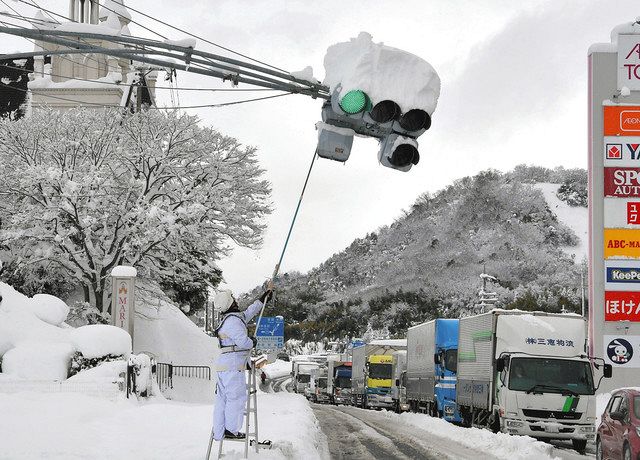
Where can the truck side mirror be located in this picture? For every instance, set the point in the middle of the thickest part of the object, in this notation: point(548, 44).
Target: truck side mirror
point(397, 382)
point(608, 371)
point(500, 364)
point(436, 358)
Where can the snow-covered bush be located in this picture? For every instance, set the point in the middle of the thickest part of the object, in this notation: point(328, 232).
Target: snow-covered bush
point(98, 340)
point(80, 363)
point(38, 361)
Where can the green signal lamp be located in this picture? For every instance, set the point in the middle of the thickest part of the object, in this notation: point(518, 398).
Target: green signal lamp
point(355, 101)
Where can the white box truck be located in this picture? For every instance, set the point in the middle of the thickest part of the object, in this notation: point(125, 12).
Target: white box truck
point(528, 373)
point(398, 382)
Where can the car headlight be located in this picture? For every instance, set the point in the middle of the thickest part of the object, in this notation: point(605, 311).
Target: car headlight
point(513, 414)
point(588, 429)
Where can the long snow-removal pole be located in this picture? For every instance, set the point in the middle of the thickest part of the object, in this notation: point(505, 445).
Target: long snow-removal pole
point(286, 242)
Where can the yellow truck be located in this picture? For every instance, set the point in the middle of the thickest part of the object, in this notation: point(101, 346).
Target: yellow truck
point(372, 373)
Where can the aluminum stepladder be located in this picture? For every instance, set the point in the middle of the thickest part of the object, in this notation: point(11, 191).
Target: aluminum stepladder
point(251, 439)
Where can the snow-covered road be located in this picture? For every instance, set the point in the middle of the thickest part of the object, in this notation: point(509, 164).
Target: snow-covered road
point(359, 434)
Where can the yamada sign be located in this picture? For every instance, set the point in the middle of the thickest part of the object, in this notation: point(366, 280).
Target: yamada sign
point(622, 151)
point(621, 120)
point(629, 61)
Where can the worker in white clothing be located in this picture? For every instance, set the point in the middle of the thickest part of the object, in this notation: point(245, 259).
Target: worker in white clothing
point(235, 349)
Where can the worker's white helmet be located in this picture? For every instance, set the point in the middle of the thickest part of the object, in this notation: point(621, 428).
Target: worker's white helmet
point(223, 300)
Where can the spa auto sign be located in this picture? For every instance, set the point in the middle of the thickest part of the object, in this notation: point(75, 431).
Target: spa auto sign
point(629, 61)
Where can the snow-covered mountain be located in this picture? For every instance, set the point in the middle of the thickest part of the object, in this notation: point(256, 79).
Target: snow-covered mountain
point(526, 227)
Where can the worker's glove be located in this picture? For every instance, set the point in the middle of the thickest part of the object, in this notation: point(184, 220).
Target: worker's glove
point(266, 296)
point(255, 342)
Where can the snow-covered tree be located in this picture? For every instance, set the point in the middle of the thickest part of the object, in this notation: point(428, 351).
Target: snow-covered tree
point(88, 190)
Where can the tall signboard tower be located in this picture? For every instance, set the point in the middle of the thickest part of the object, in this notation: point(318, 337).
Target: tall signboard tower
point(614, 204)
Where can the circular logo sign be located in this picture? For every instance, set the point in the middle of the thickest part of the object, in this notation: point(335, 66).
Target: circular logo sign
point(619, 351)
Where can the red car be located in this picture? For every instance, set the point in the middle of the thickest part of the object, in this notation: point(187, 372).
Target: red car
point(619, 431)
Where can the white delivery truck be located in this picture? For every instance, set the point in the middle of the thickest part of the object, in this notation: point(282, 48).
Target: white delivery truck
point(528, 373)
point(398, 381)
point(302, 371)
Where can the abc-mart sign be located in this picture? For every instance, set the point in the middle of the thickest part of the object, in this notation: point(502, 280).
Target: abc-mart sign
point(629, 61)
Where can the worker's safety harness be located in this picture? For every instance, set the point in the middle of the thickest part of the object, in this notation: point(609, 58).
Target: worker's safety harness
point(229, 348)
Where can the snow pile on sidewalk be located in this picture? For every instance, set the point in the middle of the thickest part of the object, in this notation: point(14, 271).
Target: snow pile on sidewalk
point(38, 361)
point(35, 343)
point(499, 445)
point(74, 426)
point(574, 217)
point(277, 369)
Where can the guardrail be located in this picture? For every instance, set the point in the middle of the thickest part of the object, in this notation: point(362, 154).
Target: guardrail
point(165, 373)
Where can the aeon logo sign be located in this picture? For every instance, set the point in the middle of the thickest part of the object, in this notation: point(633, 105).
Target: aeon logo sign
point(630, 120)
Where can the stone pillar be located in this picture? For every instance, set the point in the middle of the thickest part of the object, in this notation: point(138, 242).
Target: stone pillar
point(123, 298)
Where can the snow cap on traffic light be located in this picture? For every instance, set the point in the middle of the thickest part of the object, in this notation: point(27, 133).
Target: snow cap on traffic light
point(382, 74)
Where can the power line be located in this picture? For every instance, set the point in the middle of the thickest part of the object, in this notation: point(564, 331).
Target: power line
point(213, 90)
point(97, 104)
point(204, 39)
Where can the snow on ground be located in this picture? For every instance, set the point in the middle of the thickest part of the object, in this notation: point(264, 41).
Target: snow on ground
point(500, 445)
point(574, 217)
point(277, 369)
point(75, 426)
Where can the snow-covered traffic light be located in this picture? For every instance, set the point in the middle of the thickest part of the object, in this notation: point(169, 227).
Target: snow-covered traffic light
point(376, 91)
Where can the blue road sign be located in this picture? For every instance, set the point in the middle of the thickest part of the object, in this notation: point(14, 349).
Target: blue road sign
point(270, 333)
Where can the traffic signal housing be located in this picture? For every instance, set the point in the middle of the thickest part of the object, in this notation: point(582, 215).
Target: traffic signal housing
point(353, 112)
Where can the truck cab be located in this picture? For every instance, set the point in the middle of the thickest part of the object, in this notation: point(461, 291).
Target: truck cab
point(546, 397)
point(341, 385)
point(379, 380)
point(446, 368)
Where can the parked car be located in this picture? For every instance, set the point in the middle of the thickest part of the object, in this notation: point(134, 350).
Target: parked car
point(619, 431)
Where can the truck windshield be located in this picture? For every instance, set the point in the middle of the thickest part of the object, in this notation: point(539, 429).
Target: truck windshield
point(451, 360)
point(550, 376)
point(304, 378)
point(322, 383)
point(343, 382)
point(379, 371)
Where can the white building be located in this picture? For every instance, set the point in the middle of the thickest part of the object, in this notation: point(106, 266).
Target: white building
point(66, 81)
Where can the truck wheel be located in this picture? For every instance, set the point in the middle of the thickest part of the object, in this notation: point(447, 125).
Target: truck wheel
point(580, 445)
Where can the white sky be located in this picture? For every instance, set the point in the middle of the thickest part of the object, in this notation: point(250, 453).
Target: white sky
point(513, 91)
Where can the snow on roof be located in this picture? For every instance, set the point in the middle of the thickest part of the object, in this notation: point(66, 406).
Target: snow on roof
point(382, 73)
point(628, 28)
point(87, 28)
point(389, 342)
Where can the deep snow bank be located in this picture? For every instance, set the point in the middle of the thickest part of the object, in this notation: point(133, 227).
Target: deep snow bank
point(74, 427)
point(164, 331)
point(500, 445)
